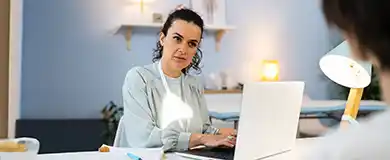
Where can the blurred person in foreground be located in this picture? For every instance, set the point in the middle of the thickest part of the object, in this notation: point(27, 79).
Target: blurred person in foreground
point(365, 24)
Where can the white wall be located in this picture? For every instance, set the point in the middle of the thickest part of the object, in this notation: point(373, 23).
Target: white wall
point(293, 32)
point(72, 63)
point(15, 64)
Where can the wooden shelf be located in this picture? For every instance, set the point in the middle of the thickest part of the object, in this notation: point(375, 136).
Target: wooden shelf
point(218, 30)
point(222, 91)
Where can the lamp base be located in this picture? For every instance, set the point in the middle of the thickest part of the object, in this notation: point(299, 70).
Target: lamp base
point(352, 107)
point(349, 119)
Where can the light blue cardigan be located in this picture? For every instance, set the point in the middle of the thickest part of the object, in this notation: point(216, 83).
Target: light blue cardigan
point(143, 92)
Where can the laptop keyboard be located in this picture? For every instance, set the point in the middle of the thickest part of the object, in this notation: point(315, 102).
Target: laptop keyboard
point(218, 153)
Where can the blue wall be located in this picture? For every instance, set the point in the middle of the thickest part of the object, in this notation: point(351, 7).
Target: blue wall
point(293, 32)
point(73, 65)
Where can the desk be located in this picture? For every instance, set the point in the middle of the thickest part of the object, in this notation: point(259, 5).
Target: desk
point(301, 149)
point(302, 146)
point(94, 156)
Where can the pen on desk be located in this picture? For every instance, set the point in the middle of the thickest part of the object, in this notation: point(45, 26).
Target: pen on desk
point(133, 157)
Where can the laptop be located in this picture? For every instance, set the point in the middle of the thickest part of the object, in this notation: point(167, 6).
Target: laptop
point(268, 122)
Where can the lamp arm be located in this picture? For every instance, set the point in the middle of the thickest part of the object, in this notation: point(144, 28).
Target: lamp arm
point(353, 102)
point(352, 107)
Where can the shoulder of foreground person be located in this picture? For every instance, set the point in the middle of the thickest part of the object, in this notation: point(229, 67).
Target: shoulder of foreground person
point(370, 139)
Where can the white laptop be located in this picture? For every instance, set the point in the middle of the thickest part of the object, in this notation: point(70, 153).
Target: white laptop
point(268, 121)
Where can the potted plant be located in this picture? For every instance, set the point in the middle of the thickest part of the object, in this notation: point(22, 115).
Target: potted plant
point(112, 113)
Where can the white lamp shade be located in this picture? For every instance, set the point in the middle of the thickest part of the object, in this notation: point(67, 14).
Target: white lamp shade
point(340, 67)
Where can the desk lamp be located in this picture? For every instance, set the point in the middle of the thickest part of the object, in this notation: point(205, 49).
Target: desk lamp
point(341, 68)
point(270, 70)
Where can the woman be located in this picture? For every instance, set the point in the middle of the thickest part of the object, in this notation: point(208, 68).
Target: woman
point(164, 105)
point(366, 26)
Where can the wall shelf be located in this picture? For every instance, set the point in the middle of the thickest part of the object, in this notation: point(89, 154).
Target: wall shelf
point(128, 28)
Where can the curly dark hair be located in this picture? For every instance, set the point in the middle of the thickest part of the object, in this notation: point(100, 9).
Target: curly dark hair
point(366, 20)
point(189, 16)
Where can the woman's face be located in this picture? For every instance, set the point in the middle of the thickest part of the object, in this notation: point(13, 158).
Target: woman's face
point(180, 44)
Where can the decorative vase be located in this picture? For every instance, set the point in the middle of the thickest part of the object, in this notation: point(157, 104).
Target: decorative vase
point(210, 6)
point(213, 12)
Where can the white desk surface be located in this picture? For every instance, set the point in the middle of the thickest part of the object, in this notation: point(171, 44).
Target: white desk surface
point(302, 146)
point(301, 149)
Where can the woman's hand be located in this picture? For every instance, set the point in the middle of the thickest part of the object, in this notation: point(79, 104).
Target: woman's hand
point(218, 141)
point(228, 132)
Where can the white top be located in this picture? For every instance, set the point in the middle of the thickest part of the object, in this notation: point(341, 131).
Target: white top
point(175, 85)
point(151, 110)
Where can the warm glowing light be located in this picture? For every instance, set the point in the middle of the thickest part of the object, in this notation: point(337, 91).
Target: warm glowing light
point(270, 70)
